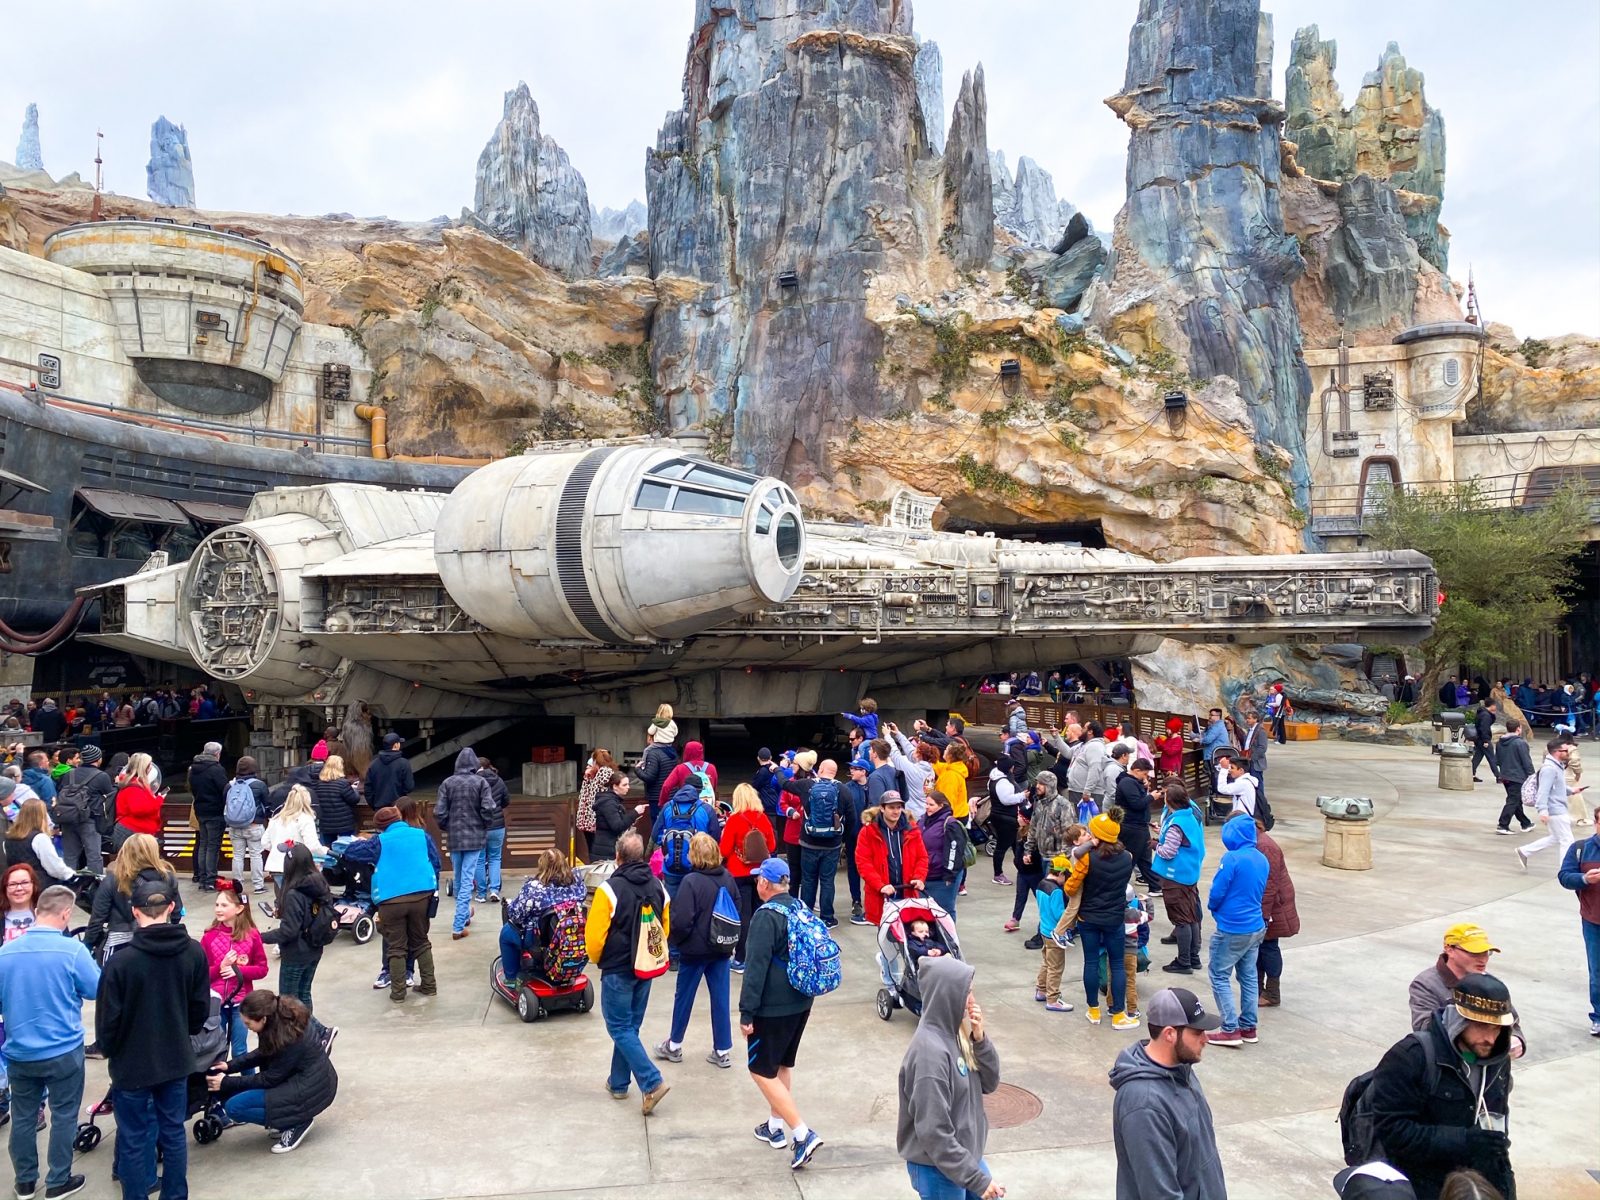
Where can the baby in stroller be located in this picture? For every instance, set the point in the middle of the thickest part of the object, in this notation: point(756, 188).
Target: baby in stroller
point(911, 928)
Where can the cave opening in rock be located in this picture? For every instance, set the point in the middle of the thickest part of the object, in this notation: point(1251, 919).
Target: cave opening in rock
point(1087, 534)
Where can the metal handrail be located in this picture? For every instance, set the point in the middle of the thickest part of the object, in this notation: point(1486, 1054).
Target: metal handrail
point(1518, 490)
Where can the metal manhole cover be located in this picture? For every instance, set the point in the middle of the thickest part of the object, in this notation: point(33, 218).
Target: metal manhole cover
point(1009, 1106)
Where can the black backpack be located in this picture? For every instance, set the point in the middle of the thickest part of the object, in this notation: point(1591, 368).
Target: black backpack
point(1264, 810)
point(72, 798)
point(324, 924)
point(1357, 1127)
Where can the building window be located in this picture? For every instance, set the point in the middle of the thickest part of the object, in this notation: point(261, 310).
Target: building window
point(1452, 372)
point(1379, 478)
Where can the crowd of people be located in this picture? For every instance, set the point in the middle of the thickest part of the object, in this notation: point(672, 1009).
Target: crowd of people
point(81, 716)
point(1063, 685)
point(1096, 827)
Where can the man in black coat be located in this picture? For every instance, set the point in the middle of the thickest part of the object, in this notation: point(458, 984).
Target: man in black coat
point(389, 778)
point(1515, 763)
point(1435, 1117)
point(208, 785)
point(154, 996)
point(84, 795)
point(1483, 740)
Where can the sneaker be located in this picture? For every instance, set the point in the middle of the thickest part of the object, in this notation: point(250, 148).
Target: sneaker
point(1170, 940)
point(382, 981)
point(1012, 926)
point(1522, 859)
point(1063, 939)
point(1058, 1006)
point(614, 1094)
point(1033, 943)
point(480, 899)
point(71, 1187)
point(1225, 1037)
point(651, 1099)
point(1247, 1035)
point(1502, 831)
point(666, 1053)
point(1594, 1028)
point(494, 898)
point(831, 922)
point(1123, 1020)
point(1092, 1014)
point(737, 967)
point(290, 1139)
point(329, 1032)
point(720, 1058)
point(1039, 995)
point(414, 980)
point(1002, 880)
point(1177, 968)
point(456, 937)
point(260, 889)
point(859, 918)
point(25, 1191)
point(92, 1050)
point(804, 1149)
point(962, 891)
point(772, 1137)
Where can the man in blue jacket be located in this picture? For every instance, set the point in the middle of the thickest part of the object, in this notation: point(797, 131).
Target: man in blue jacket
point(1580, 871)
point(1235, 904)
point(45, 977)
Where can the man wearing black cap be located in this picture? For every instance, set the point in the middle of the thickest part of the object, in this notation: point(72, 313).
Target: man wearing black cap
point(154, 996)
point(389, 778)
point(1160, 1121)
point(1440, 1098)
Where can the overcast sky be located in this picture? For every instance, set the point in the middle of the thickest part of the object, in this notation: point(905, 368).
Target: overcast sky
point(312, 107)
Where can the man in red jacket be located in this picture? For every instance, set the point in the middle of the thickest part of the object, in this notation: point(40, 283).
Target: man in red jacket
point(694, 759)
point(889, 854)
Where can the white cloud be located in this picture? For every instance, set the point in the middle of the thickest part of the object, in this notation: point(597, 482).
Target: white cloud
point(317, 107)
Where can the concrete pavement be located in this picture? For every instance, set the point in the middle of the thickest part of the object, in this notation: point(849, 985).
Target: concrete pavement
point(453, 1096)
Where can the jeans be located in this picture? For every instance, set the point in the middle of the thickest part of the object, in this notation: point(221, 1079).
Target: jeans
point(1029, 876)
point(464, 866)
point(748, 903)
point(1591, 946)
point(208, 849)
point(818, 867)
point(512, 943)
point(623, 999)
point(943, 893)
point(80, 845)
point(247, 841)
point(715, 971)
point(1097, 940)
point(930, 1184)
point(852, 873)
point(1269, 960)
point(238, 1034)
point(494, 845)
point(294, 979)
point(249, 1107)
point(672, 883)
point(145, 1117)
point(62, 1078)
point(1230, 953)
point(1513, 809)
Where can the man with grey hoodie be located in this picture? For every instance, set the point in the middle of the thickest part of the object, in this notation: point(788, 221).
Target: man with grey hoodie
point(464, 811)
point(1160, 1120)
point(949, 1067)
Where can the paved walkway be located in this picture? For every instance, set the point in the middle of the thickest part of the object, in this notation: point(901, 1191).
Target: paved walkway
point(455, 1097)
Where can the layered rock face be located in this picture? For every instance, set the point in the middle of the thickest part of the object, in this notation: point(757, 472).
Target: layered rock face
point(1201, 263)
point(529, 194)
point(1390, 132)
point(1536, 384)
point(928, 71)
point(614, 224)
point(1079, 257)
point(169, 176)
point(797, 167)
point(1324, 683)
point(968, 185)
point(29, 156)
point(1026, 206)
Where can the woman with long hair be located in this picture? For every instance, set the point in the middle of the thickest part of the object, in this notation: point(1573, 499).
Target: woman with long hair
point(234, 954)
point(600, 760)
point(747, 841)
point(294, 1081)
point(335, 801)
point(138, 801)
point(111, 922)
point(305, 892)
point(295, 822)
point(551, 885)
point(28, 841)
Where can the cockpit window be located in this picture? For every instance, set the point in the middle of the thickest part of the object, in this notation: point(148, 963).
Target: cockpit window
point(735, 481)
point(684, 485)
point(691, 501)
point(657, 496)
point(674, 468)
point(788, 541)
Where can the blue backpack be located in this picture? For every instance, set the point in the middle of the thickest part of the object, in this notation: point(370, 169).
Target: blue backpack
point(822, 811)
point(725, 921)
point(813, 954)
point(677, 832)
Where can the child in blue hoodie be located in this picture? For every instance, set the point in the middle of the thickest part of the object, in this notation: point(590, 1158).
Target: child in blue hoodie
point(1052, 902)
point(1235, 904)
point(867, 720)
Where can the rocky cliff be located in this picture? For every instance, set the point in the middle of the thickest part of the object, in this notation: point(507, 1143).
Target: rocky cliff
point(614, 224)
point(29, 156)
point(169, 176)
point(1025, 205)
point(529, 194)
point(968, 185)
point(1202, 266)
point(1532, 384)
point(1390, 133)
point(928, 71)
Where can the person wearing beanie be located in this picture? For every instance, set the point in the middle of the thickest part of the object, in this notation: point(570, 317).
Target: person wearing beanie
point(84, 796)
point(1101, 878)
point(1235, 904)
point(208, 789)
point(403, 885)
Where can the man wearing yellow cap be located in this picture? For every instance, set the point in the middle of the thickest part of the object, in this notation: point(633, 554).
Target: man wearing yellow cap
point(1466, 952)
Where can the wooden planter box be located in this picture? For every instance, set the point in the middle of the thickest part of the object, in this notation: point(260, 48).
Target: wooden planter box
point(1301, 731)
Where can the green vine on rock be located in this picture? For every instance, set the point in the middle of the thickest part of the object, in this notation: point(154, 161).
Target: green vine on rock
point(981, 477)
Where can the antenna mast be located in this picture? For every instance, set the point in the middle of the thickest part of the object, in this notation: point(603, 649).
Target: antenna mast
point(94, 211)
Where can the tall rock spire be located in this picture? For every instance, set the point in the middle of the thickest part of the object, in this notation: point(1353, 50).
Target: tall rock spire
point(169, 177)
point(775, 193)
point(529, 194)
point(929, 71)
point(968, 184)
point(1201, 264)
point(29, 157)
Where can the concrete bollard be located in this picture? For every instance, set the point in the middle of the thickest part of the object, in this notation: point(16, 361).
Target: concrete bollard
point(1455, 768)
point(1346, 844)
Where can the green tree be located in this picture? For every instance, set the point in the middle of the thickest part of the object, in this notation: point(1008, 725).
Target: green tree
point(1504, 571)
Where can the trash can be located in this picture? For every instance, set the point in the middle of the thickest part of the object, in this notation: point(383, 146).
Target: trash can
point(1455, 767)
point(1346, 832)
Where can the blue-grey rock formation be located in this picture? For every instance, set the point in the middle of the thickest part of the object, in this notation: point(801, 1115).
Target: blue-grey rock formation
point(968, 185)
point(1079, 256)
point(1025, 205)
point(788, 178)
point(929, 73)
point(29, 156)
point(169, 176)
point(529, 194)
point(614, 224)
point(1390, 132)
point(1372, 263)
point(630, 256)
point(1201, 264)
